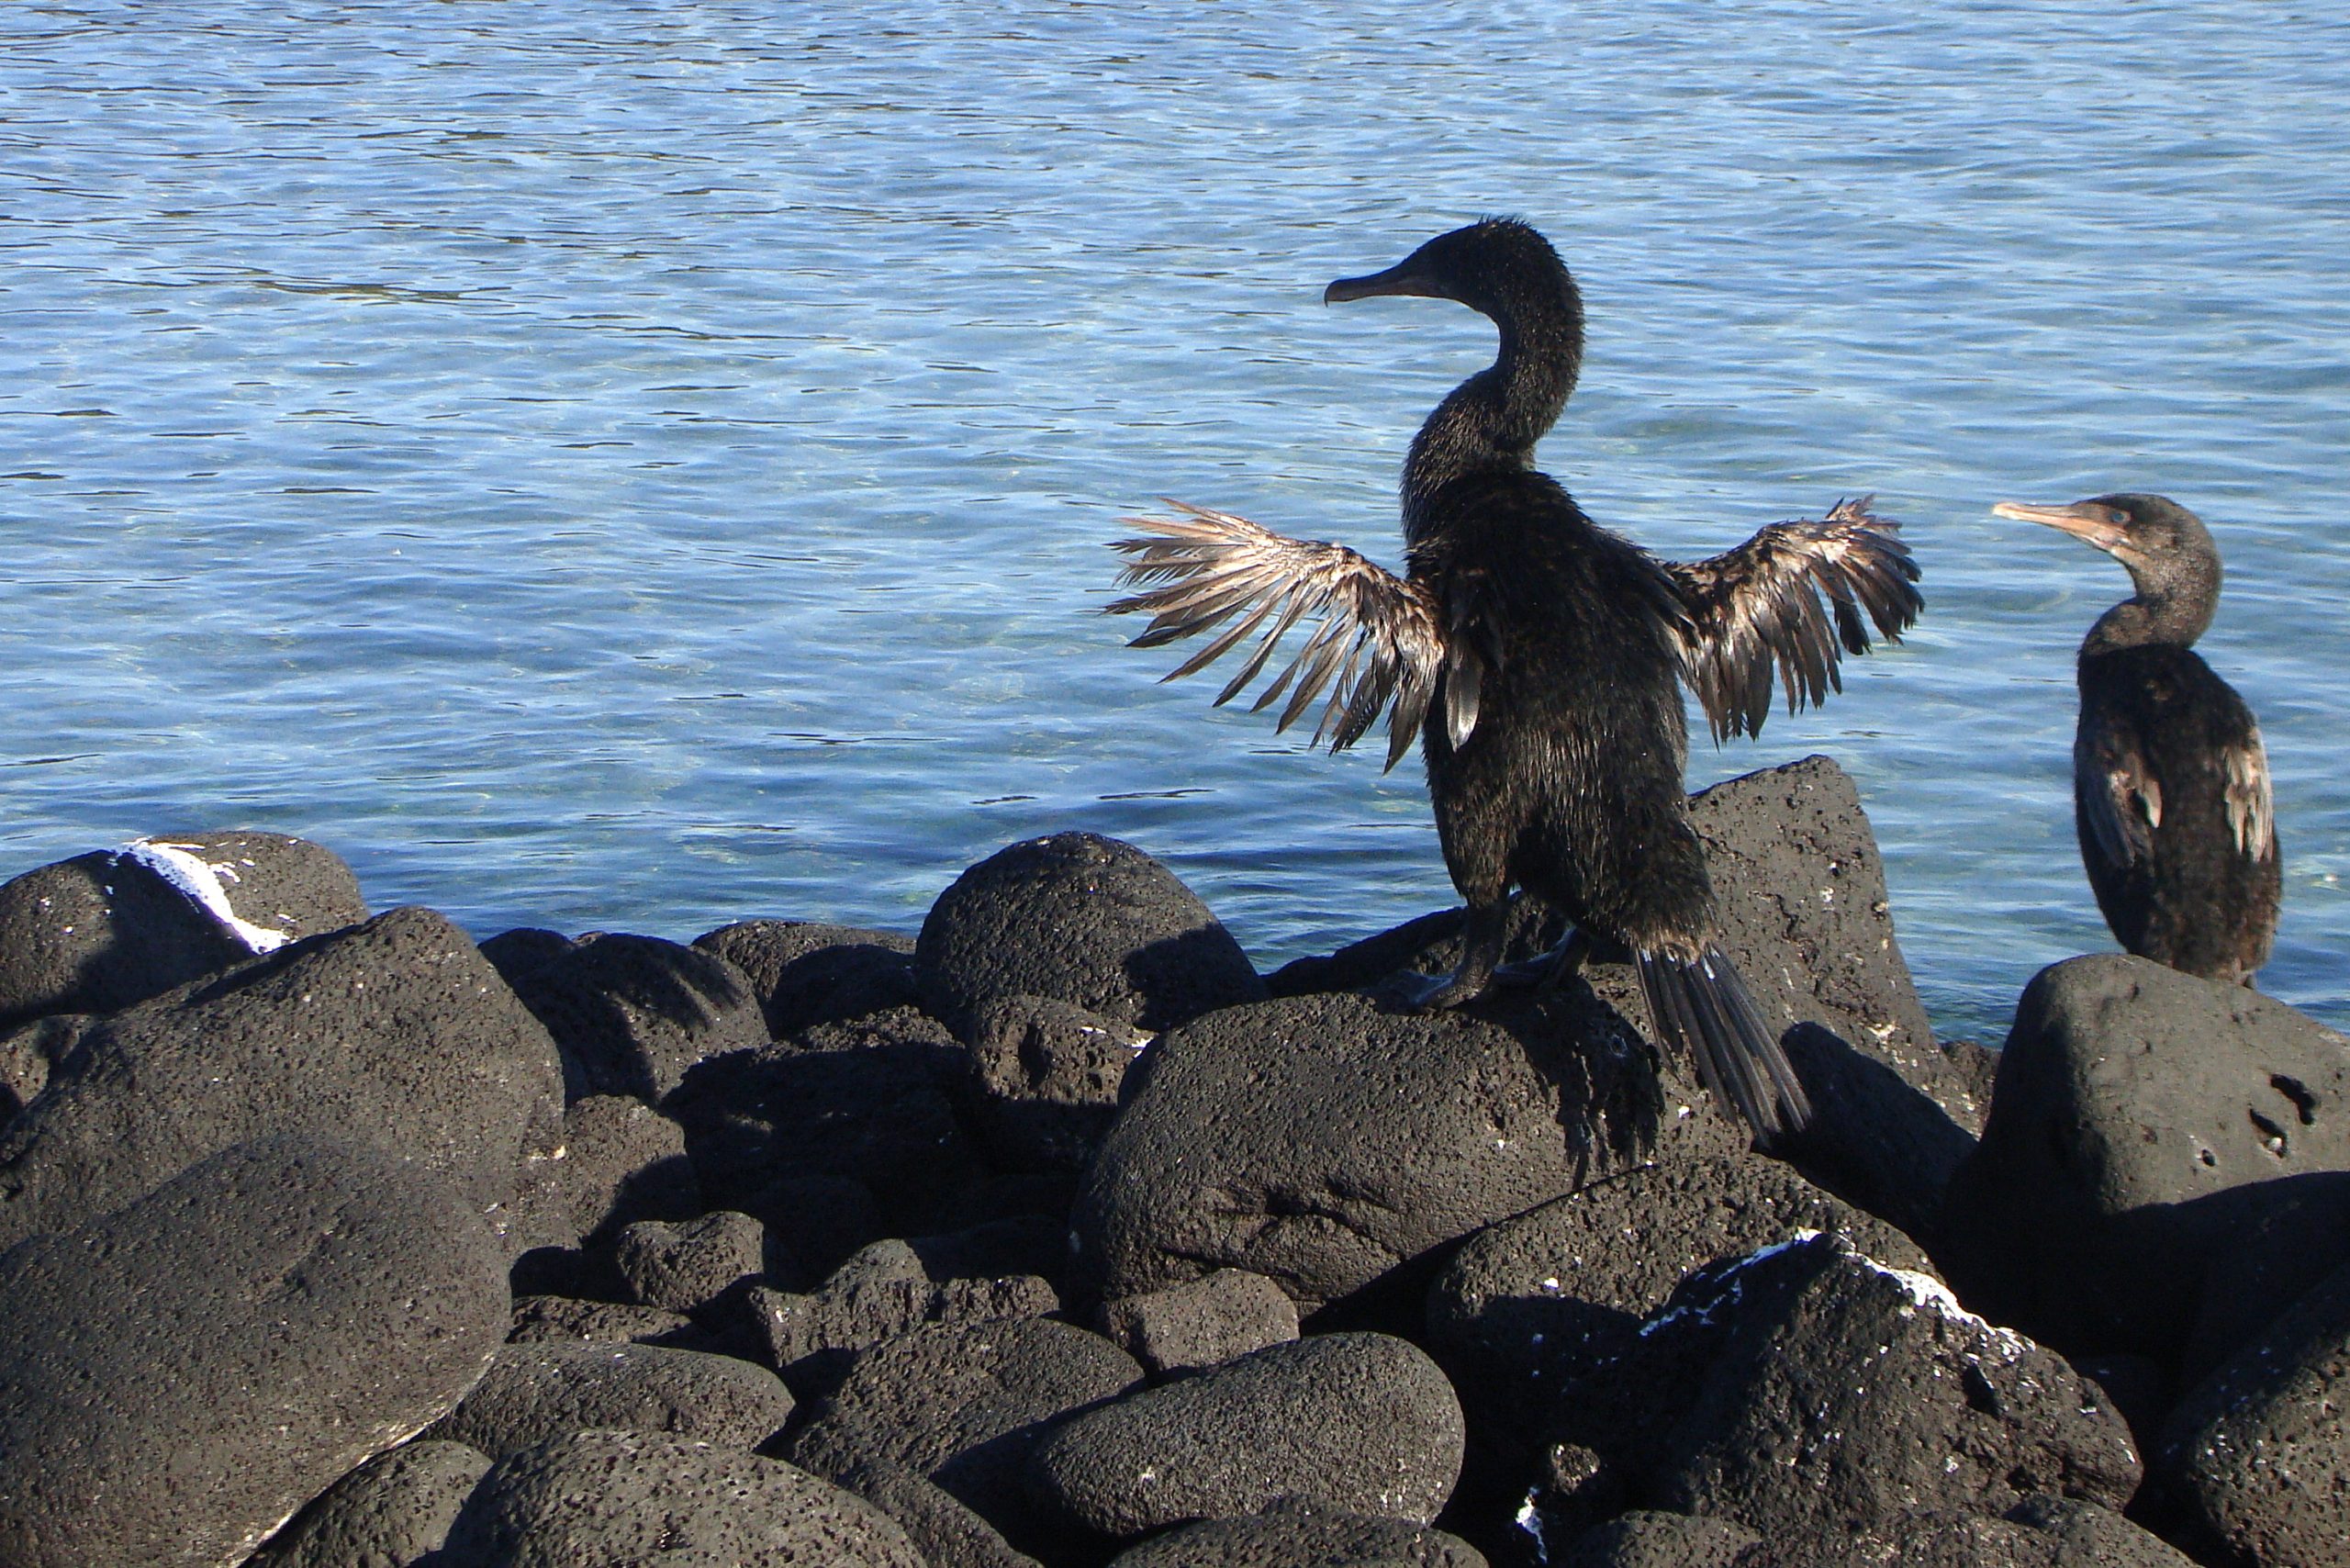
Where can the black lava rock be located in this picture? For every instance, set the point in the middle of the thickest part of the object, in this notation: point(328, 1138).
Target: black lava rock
point(1045, 1079)
point(1535, 1301)
point(1805, 1389)
point(1293, 1532)
point(632, 1014)
point(2298, 1239)
point(102, 931)
point(1646, 1539)
point(883, 1116)
point(2142, 1120)
point(391, 1512)
point(2043, 1532)
point(632, 1497)
point(881, 1292)
point(687, 1266)
point(394, 1034)
point(1360, 1422)
point(1202, 1324)
point(178, 1377)
point(805, 974)
point(625, 1162)
point(1084, 919)
point(570, 1320)
point(2260, 1451)
point(532, 1394)
point(948, 1534)
point(1328, 1145)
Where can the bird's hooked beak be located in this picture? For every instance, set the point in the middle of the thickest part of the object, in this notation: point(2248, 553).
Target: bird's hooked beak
point(2107, 527)
point(1409, 275)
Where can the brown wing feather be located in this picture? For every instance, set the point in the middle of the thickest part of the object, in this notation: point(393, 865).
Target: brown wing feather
point(1791, 600)
point(2251, 801)
point(2120, 800)
point(1378, 645)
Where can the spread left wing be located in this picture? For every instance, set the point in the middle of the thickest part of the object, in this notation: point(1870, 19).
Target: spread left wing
point(1378, 645)
point(1768, 605)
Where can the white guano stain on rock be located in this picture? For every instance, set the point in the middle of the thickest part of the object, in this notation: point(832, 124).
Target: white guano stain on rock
point(199, 881)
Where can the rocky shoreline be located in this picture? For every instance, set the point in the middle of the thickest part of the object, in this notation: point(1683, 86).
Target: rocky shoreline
point(1059, 1235)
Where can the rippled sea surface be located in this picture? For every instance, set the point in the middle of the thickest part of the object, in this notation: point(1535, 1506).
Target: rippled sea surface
point(632, 466)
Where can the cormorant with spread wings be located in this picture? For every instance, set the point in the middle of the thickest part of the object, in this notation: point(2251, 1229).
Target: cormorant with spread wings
point(1541, 658)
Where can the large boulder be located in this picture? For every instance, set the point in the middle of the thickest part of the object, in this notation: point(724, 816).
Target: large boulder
point(1805, 1389)
point(1202, 1324)
point(531, 1393)
point(884, 1291)
point(948, 1534)
point(1045, 1080)
point(624, 1161)
point(1082, 919)
point(1293, 1532)
point(391, 1512)
point(1360, 1422)
point(1533, 1302)
point(2260, 1451)
point(630, 1497)
point(632, 1014)
point(178, 1377)
point(805, 973)
point(2043, 1532)
point(102, 931)
point(2144, 1120)
point(396, 1033)
point(1333, 1146)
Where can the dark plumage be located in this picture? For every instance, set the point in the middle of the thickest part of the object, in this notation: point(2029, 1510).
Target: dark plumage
point(2170, 779)
point(1539, 657)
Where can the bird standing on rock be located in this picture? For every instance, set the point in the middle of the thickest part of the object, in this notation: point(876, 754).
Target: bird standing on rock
point(1539, 657)
point(2170, 780)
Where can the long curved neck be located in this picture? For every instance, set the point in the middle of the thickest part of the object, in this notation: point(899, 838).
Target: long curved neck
point(1493, 420)
point(2173, 609)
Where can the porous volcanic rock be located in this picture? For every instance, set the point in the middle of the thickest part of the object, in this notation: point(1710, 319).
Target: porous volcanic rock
point(572, 1320)
point(1293, 1534)
point(1202, 1324)
point(687, 1265)
point(1361, 1422)
point(1327, 1144)
point(948, 1534)
point(633, 1497)
point(2142, 1120)
point(394, 1033)
point(1534, 1301)
point(252, 1329)
point(389, 1513)
point(882, 1292)
point(883, 1116)
point(1086, 920)
point(1045, 1079)
point(105, 930)
point(535, 1392)
point(2298, 1239)
point(805, 973)
point(963, 1405)
point(632, 1014)
point(2043, 1532)
point(1647, 1539)
point(625, 1162)
point(2260, 1451)
point(1805, 1389)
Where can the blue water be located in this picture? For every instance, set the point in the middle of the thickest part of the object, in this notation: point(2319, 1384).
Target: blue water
point(639, 466)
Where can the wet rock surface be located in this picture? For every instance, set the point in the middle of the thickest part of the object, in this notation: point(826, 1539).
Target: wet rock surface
point(1499, 1287)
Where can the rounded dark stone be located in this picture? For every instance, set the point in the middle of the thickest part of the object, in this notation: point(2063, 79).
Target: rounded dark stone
point(626, 1162)
point(948, 1534)
point(1361, 1422)
point(632, 1014)
point(105, 930)
point(391, 1512)
point(396, 1033)
point(1044, 1080)
point(1086, 920)
point(1645, 1539)
point(1293, 1531)
point(805, 973)
point(252, 1329)
point(533, 1393)
point(1202, 1324)
point(687, 1265)
point(617, 1497)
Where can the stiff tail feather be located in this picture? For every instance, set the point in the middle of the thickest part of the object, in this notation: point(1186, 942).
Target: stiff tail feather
point(1702, 1008)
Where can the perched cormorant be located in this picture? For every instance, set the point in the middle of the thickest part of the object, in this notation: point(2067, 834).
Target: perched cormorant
point(2170, 780)
point(1541, 658)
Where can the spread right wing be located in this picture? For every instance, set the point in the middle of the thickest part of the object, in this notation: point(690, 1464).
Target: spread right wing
point(1379, 644)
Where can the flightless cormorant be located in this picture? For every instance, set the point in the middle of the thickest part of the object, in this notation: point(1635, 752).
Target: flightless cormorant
point(2170, 779)
point(1540, 659)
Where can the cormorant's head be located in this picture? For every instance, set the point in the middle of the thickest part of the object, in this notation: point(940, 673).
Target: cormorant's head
point(1496, 266)
point(2161, 543)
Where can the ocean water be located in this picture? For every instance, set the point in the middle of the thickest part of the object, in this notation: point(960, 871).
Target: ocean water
point(630, 466)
